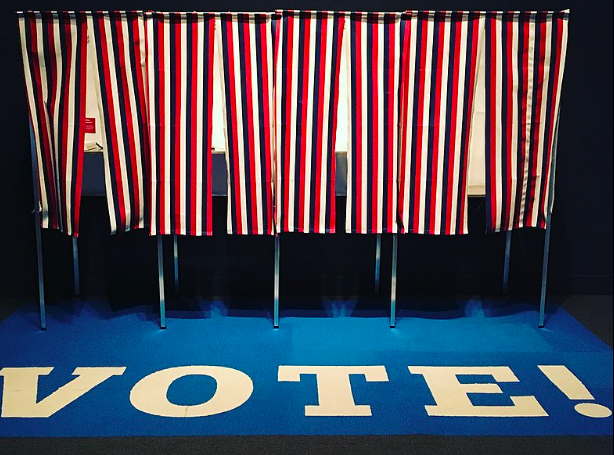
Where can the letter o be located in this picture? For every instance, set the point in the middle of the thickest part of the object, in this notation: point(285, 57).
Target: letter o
point(149, 395)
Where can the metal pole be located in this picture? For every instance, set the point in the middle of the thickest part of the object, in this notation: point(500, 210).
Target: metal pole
point(393, 285)
point(75, 262)
point(37, 230)
point(276, 291)
point(378, 258)
point(542, 304)
point(506, 266)
point(161, 283)
point(176, 262)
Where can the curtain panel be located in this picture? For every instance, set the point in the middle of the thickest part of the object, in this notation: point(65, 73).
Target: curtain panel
point(246, 69)
point(525, 61)
point(374, 64)
point(440, 64)
point(180, 52)
point(117, 51)
point(308, 61)
point(54, 51)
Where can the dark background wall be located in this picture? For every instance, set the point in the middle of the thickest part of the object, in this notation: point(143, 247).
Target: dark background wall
point(338, 265)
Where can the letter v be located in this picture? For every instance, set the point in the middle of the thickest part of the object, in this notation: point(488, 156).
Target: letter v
point(19, 396)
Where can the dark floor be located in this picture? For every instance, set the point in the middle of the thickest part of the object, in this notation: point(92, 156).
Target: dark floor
point(595, 312)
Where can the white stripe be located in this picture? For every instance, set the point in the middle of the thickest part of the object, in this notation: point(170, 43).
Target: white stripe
point(309, 123)
point(182, 130)
point(201, 154)
point(380, 115)
point(345, 49)
point(279, 171)
point(528, 121)
point(35, 125)
point(258, 209)
point(366, 64)
point(514, 142)
point(498, 123)
point(168, 122)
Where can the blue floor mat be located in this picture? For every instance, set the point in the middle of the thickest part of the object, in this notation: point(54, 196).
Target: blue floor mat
point(468, 333)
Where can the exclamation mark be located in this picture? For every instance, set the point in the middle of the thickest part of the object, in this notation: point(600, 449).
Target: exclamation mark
point(571, 386)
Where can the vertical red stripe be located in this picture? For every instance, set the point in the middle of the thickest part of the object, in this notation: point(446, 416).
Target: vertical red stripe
point(304, 67)
point(404, 107)
point(390, 134)
point(177, 125)
point(194, 137)
point(163, 229)
point(358, 147)
point(375, 151)
point(494, 153)
point(525, 77)
point(288, 120)
point(210, 28)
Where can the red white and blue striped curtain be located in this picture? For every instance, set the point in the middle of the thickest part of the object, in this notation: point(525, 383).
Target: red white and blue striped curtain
point(180, 49)
point(54, 50)
point(525, 59)
point(118, 57)
point(308, 61)
point(373, 90)
point(246, 43)
point(440, 64)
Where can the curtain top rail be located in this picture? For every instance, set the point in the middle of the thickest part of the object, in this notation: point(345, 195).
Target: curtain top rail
point(279, 11)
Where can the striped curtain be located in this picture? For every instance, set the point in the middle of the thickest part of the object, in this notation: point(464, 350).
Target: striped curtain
point(440, 63)
point(373, 91)
point(308, 62)
point(180, 49)
point(54, 49)
point(525, 58)
point(246, 42)
point(118, 50)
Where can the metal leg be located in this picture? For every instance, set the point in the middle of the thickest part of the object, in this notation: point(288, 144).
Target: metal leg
point(41, 283)
point(176, 262)
point(161, 283)
point(75, 263)
point(276, 291)
point(393, 285)
point(37, 230)
point(542, 305)
point(506, 267)
point(378, 257)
